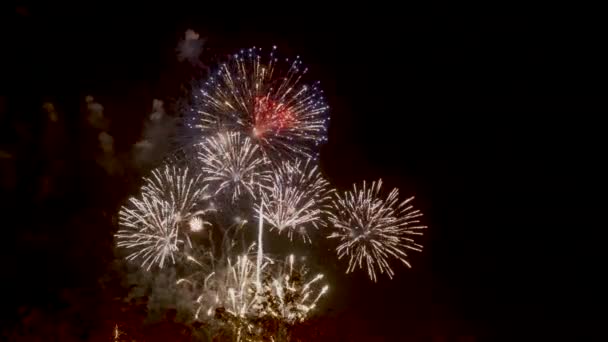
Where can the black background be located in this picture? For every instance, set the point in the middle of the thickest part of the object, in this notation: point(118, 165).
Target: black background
point(492, 121)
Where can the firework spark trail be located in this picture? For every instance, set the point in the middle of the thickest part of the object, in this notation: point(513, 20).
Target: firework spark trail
point(255, 96)
point(373, 230)
point(297, 198)
point(233, 164)
point(230, 284)
point(150, 226)
point(288, 293)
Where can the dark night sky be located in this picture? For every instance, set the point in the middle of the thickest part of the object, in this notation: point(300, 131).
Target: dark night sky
point(493, 122)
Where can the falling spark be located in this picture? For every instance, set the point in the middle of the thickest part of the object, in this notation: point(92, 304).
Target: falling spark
point(372, 230)
point(117, 333)
point(265, 100)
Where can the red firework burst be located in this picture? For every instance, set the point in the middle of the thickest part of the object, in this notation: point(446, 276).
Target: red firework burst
point(269, 115)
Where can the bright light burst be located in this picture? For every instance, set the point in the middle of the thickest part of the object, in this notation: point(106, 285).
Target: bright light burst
point(196, 224)
point(265, 100)
point(298, 198)
point(373, 230)
point(231, 163)
point(150, 225)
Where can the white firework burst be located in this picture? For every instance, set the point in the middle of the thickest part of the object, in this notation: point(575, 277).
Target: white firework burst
point(231, 163)
point(372, 229)
point(265, 100)
point(150, 225)
point(297, 199)
point(196, 224)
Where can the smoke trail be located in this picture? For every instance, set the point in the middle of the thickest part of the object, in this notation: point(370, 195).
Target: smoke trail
point(106, 157)
point(53, 148)
point(155, 142)
point(95, 116)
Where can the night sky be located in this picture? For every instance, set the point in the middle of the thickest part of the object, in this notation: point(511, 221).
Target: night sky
point(493, 122)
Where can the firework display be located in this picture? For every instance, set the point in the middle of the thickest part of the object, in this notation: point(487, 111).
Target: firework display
point(372, 229)
point(252, 168)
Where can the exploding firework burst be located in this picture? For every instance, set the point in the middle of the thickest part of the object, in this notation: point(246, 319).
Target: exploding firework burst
point(233, 164)
point(150, 225)
point(372, 230)
point(266, 101)
point(297, 199)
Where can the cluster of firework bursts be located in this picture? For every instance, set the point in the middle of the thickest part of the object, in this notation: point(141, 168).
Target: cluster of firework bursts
point(253, 132)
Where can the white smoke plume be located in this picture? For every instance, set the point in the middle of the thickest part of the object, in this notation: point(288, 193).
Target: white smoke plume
point(53, 148)
point(95, 116)
point(49, 107)
point(190, 48)
point(106, 157)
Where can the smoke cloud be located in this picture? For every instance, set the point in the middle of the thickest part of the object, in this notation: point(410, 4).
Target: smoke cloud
point(155, 143)
point(105, 156)
point(95, 116)
point(190, 48)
